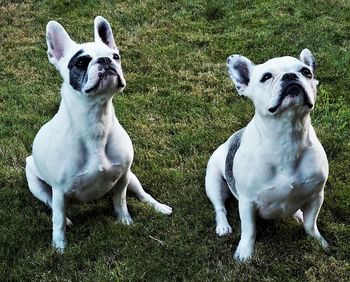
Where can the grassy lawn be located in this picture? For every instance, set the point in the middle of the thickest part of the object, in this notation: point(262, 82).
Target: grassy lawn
point(178, 106)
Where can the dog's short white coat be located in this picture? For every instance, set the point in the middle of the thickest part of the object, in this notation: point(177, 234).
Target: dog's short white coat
point(280, 168)
point(83, 152)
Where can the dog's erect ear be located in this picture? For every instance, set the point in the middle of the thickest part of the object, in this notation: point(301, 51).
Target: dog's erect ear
point(240, 69)
point(308, 59)
point(103, 32)
point(58, 42)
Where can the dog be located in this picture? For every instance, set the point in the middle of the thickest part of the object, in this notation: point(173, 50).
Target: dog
point(83, 152)
point(275, 166)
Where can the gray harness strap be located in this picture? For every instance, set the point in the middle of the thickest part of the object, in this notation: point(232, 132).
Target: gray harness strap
point(235, 142)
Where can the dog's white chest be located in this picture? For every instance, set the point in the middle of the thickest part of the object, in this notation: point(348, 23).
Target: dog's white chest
point(279, 184)
point(286, 191)
point(98, 176)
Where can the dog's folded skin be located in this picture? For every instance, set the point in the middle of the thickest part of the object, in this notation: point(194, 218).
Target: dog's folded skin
point(83, 152)
point(279, 167)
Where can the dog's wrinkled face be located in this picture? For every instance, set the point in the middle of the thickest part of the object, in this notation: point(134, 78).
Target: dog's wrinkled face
point(279, 85)
point(91, 69)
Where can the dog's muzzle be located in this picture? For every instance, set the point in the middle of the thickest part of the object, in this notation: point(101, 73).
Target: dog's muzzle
point(291, 88)
point(105, 70)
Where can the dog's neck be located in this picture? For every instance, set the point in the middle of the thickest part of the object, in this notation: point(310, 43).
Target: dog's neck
point(284, 138)
point(287, 134)
point(90, 117)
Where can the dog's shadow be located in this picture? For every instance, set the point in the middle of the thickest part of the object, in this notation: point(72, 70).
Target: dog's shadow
point(85, 213)
point(278, 230)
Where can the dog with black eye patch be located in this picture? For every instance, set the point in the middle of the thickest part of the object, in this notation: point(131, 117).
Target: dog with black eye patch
point(84, 152)
point(275, 166)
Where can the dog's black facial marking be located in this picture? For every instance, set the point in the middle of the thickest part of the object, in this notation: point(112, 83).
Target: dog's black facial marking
point(243, 71)
point(103, 32)
point(306, 72)
point(266, 77)
point(73, 60)
point(78, 66)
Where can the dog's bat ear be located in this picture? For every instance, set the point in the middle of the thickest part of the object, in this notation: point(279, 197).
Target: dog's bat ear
point(240, 69)
point(103, 32)
point(308, 59)
point(57, 40)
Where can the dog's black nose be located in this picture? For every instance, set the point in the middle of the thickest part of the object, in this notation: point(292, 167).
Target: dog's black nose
point(289, 76)
point(104, 60)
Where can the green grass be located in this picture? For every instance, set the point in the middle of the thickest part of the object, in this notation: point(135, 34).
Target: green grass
point(178, 106)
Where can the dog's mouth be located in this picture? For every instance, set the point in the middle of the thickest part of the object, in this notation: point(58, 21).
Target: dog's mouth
point(291, 90)
point(104, 76)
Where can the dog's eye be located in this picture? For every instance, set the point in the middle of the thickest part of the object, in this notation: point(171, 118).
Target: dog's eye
point(306, 72)
point(266, 76)
point(83, 62)
point(116, 57)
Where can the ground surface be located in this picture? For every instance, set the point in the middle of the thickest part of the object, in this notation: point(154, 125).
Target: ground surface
point(178, 106)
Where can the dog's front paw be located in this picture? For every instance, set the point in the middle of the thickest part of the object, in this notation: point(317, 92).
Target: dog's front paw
point(243, 253)
point(59, 246)
point(126, 219)
point(162, 208)
point(223, 229)
point(324, 243)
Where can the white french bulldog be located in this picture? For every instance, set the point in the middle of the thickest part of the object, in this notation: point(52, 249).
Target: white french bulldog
point(275, 166)
point(83, 152)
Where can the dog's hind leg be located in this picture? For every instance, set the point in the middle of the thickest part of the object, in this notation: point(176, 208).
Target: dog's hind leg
point(218, 192)
point(39, 188)
point(136, 187)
